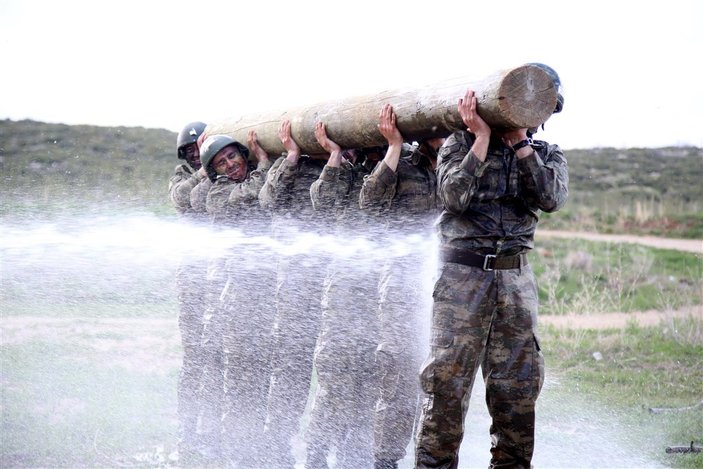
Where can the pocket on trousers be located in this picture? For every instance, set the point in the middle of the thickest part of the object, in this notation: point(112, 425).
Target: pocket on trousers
point(538, 367)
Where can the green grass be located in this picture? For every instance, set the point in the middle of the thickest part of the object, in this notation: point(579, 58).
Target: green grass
point(641, 368)
point(577, 276)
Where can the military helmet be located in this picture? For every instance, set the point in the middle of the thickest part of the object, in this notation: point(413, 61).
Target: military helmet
point(557, 84)
point(189, 134)
point(212, 146)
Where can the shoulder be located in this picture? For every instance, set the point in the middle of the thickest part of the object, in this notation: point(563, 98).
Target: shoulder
point(182, 170)
point(458, 143)
point(548, 151)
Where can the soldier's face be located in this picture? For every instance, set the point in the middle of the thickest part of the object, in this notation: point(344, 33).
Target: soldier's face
point(192, 155)
point(231, 163)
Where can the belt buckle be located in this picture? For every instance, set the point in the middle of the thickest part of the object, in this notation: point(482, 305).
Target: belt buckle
point(486, 259)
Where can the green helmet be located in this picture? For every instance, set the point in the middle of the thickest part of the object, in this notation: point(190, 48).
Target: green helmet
point(189, 134)
point(212, 146)
point(557, 84)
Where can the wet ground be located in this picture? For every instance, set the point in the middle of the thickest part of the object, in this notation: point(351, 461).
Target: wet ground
point(571, 430)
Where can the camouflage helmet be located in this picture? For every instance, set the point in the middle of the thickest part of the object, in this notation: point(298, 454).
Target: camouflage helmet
point(189, 134)
point(212, 146)
point(557, 84)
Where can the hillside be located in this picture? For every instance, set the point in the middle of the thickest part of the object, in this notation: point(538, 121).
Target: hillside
point(641, 190)
point(46, 163)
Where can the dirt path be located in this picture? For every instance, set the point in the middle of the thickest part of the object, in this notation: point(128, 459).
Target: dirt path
point(620, 320)
point(688, 245)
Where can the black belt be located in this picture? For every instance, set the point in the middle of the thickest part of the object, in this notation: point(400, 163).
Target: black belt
point(487, 262)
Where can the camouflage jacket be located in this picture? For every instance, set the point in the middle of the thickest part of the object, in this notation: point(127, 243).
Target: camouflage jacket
point(493, 206)
point(198, 196)
point(407, 198)
point(286, 193)
point(183, 181)
point(237, 203)
point(335, 194)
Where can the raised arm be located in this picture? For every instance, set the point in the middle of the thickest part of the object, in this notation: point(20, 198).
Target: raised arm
point(280, 179)
point(323, 192)
point(379, 187)
point(461, 158)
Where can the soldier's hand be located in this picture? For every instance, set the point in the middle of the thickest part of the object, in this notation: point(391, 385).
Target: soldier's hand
point(387, 126)
point(468, 110)
point(331, 147)
point(255, 148)
point(285, 134)
point(321, 136)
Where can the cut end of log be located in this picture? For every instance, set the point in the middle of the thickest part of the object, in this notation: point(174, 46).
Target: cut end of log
point(527, 97)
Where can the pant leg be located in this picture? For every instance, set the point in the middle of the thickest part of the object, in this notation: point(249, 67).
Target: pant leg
point(342, 411)
point(295, 330)
point(247, 302)
point(461, 316)
point(190, 282)
point(355, 451)
point(210, 381)
point(398, 357)
point(513, 369)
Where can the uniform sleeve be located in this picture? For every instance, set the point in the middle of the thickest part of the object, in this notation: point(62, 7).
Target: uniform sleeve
point(198, 196)
point(218, 196)
point(279, 182)
point(180, 185)
point(544, 178)
point(249, 190)
point(323, 192)
point(458, 170)
point(379, 188)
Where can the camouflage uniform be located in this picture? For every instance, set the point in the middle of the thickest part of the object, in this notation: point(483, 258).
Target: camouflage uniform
point(286, 194)
point(185, 194)
point(180, 185)
point(245, 316)
point(407, 203)
point(342, 412)
point(487, 317)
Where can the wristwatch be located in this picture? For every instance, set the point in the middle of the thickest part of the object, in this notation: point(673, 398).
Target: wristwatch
point(522, 144)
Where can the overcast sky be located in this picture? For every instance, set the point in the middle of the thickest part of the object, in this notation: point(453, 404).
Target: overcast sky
point(632, 70)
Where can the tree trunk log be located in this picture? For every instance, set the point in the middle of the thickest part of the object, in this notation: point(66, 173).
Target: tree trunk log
point(521, 97)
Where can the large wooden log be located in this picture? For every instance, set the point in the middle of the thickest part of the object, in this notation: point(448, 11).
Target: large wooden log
point(520, 97)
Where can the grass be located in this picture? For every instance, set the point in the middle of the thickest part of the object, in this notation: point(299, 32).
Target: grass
point(64, 407)
point(577, 276)
point(640, 368)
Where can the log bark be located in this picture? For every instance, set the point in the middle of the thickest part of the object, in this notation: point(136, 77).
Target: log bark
point(521, 97)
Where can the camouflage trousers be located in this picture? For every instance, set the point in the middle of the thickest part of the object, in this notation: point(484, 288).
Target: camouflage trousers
point(295, 328)
point(210, 390)
point(403, 312)
point(248, 310)
point(342, 412)
point(487, 319)
point(190, 278)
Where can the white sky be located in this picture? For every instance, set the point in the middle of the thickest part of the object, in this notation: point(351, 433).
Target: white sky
point(632, 71)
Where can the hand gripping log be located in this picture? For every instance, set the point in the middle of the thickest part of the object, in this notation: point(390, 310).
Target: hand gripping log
point(520, 97)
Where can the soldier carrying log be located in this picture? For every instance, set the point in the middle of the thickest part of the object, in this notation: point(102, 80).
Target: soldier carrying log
point(493, 184)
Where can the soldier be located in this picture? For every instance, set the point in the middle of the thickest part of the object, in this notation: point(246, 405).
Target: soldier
point(187, 180)
point(243, 320)
point(188, 175)
point(401, 191)
point(286, 194)
point(493, 184)
point(342, 411)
